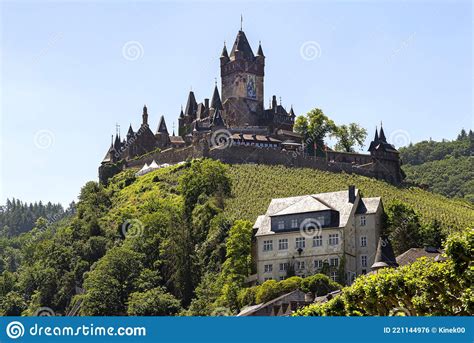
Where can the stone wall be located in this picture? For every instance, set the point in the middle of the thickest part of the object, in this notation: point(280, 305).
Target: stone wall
point(238, 154)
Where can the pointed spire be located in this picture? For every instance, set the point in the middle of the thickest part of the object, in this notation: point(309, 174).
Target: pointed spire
point(117, 142)
point(217, 119)
point(292, 113)
point(375, 142)
point(130, 132)
point(181, 114)
point(382, 135)
point(224, 53)
point(145, 115)
point(216, 99)
point(260, 50)
point(384, 257)
point(162, 126)
point(191, 106)
point(241, 48)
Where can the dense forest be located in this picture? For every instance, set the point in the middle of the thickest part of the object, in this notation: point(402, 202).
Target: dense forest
point(177, 241)
point(445, 167)
point(17, 217)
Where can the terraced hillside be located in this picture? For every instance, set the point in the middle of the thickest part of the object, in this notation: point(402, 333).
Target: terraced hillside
point(254, 186)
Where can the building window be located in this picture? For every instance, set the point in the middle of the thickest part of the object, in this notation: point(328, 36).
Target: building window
point(334, 262)
point(317, 241)
point(267, 245)
point(283, 244)
point(300, 243)
point(267, 279)
point(333, 276)
point(363, 221)
point(268, 268)
point(281, 225)
point(283, 267)
point(363, 261)
point(294, 223)
point(282, 278)
point(318, 264)
point(364, 271)
point(333, 239)
point(363, 241)
point(299, 265)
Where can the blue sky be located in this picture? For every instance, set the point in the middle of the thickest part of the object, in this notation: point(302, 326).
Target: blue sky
point(66, 78)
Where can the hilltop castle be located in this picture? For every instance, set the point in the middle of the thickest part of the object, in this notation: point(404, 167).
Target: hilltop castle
point(237, 128)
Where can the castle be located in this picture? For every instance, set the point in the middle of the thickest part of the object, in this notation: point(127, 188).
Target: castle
point(237, 128)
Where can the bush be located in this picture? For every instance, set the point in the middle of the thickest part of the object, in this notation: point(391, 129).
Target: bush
point(154, 302)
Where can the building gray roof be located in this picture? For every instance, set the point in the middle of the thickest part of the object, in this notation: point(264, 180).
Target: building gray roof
point(338, 201)
point(413, 254)
point(368, 205)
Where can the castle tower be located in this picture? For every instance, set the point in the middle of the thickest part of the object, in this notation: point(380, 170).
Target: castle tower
point(242, 76)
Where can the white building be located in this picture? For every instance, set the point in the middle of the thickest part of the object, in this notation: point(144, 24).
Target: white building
point(335, 232)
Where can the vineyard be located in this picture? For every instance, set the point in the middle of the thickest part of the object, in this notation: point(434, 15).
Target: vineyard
point(255, 185)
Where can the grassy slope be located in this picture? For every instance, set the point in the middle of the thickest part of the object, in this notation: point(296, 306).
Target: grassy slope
point(253, 186)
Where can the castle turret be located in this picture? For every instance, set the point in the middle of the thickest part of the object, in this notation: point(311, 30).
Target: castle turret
point(162, 134)
point(130, 133)
point(217, 120)
point(224, 56)
point(191, 105)
point(384, 257)
point(216, 100)
point(374, 143)
point(242, 76)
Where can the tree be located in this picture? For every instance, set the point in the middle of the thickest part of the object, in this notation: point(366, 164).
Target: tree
point(110, 283)
point(314, 127)
point(154, 302)
point(425, 287)
point(348, 136)
point(403, 227)
point(319, 284)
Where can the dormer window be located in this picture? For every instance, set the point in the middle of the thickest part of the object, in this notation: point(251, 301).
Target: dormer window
point(294, 223)
point(281, 225)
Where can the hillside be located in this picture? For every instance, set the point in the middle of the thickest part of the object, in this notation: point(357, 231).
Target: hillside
point(445, 167)
point(168, 242)
point(255, 185)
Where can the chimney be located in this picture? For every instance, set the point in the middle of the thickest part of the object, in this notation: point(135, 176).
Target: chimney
point(274, 102)
point(206, 103)
point(352, 194)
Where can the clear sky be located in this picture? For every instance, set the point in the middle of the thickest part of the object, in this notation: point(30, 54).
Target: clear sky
point(69, 73)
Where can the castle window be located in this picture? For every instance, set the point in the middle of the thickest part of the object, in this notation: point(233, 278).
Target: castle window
point(300, 243)
point(267, 245)
point(283, 267)
point(281, 225)
point(333, 239)
point(317, 241)
point(299, 265)
point(333, 276)
point(268, 268)
point(334, 262)
point(363, 261)
point(363, 241)
point(267, 279)
point(363, 221)
point(283, 244)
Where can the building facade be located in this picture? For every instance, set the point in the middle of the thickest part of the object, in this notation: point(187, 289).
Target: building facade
point(335, 233)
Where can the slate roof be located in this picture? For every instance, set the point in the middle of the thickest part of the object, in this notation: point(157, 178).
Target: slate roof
point(368, 205)
point(177, 140)
point(306, 204)
point(242, 45)
point(338, 201)
point(162, 126)
point(216, 100)
point(411, 255)
point(384, 257)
